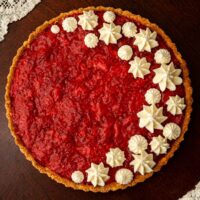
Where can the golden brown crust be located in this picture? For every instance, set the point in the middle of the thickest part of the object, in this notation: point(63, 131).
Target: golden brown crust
point(138, 178)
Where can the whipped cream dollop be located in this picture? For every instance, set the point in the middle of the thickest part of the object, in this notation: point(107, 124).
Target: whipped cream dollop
point(110, 33)
point(159, 145)
point(125, 52)
point(139, 67)
point(109, 16)
point(145, 40)
point(55, 29)
point(151, 118)
point(115, 157)
point(69, 24)
point(143, 163)
point(91, 40)
point(166, 76)
point(97, 174)
point(129, 29)
point(162, 56)
point(175, 105)
point(88, 20)
point(77, 177)
point(152, 96)
point(124, 176)
point(171, 131)
point(137, 144)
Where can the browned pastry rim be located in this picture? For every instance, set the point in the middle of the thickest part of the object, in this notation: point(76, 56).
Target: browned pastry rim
point(138, 178)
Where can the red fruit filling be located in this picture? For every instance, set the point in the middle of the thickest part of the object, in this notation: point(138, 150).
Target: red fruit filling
point(70, 104)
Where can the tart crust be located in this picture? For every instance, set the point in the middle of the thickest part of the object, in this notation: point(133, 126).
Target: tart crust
point(138, 178)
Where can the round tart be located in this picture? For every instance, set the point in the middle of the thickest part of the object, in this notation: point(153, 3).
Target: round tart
point(98, 99)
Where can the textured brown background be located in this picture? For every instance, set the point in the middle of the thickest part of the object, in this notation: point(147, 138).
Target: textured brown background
point(179, 18)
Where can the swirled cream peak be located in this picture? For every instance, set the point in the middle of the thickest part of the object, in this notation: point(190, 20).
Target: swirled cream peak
point(151, 118)
point(145, 40)
point(88, 20)
point(152, 96)
point(175, 105)
point(109, 16)
point(167, 76)
point(77, 177)
point(69, 24)
point(97, 174)
point(171, 131)
point(137, 144)
point(124, 176)
point(143, 163)
point(110, 33)
point(125, 52)
point(91, 40)
point(162, 56)
point(159, 145)
point(115, 157)
point(139, 67)
point(129, 29)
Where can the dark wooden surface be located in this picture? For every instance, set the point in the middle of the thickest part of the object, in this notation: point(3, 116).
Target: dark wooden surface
point(180, 19)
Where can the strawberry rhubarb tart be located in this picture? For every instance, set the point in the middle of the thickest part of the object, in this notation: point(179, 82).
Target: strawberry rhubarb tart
point(98, 99)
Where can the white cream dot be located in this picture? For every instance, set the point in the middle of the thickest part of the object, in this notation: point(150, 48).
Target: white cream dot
point(129, 29)
point(124, 176)
point(69, 24)
point(125, 52)
point(109, 16)
point(77, 177)
point(162, 56)
point(91, 40)
point(55, 29)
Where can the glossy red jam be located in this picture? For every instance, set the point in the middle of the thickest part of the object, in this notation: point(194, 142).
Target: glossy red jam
point(70, 104)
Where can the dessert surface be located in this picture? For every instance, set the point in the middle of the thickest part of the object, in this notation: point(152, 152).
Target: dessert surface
point(98, 97)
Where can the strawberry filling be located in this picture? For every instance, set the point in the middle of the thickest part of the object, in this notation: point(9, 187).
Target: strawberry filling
point(70, 104)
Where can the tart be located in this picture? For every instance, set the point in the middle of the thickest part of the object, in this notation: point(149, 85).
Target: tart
point(98, 99)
